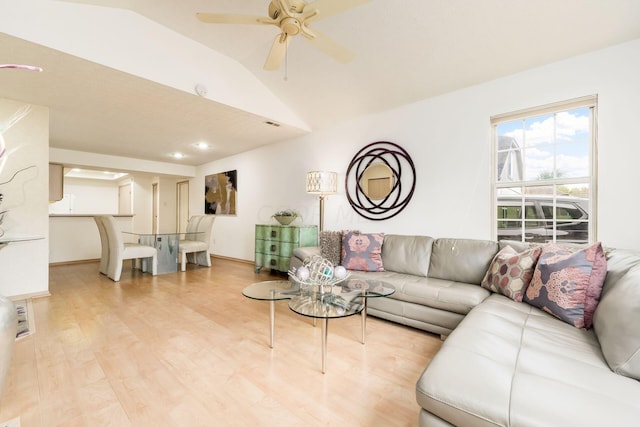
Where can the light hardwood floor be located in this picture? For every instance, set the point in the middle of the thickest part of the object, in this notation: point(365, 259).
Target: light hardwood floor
point(187, 349)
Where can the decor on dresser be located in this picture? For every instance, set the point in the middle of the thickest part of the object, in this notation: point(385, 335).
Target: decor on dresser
point(220, 193)
point(322, 183)
point(375, 185)
point(286, 217)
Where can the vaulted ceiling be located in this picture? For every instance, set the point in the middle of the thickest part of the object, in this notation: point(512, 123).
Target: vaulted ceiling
point(120, 79)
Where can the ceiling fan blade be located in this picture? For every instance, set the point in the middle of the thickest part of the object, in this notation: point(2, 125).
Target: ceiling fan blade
point(278, 50)
point(330, 47)
point(219, 18)
point(328, 8)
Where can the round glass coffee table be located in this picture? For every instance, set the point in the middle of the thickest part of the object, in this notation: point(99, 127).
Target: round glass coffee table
point(329, 302)
point(325, 303)
point(271, 291)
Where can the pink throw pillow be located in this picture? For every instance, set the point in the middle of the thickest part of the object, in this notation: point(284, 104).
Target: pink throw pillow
point(567, 282)
point(510, 272)
point(362, 251)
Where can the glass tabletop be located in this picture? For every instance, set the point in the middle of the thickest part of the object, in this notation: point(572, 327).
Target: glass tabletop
point(341, 300)
point(271, 290)
point(333, 303)
point(368, 288)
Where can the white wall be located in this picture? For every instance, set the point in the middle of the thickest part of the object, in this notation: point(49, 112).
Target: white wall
point(87, 196)
point(23, 266)
point(78, 239)
point(448, 138)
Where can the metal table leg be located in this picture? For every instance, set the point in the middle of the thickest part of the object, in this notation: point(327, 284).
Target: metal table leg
point(363, 315)
point(325, 327)
point(272, 321)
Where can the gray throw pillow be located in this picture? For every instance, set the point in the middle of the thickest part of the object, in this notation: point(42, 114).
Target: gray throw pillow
point(331, 246)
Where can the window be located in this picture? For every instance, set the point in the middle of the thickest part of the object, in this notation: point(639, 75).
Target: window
point(544, 173)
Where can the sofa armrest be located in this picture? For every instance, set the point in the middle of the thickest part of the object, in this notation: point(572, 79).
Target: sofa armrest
point(301, 254)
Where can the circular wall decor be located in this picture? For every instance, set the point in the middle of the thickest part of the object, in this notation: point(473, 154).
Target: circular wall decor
point(374, 184)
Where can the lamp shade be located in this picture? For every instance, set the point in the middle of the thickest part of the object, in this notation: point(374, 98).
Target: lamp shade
point(320, 182)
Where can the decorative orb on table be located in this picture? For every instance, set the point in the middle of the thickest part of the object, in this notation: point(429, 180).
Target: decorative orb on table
point(317, 270)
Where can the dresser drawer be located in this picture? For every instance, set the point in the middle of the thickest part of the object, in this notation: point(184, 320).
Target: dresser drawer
point(275, 248)
point(267, 232)
point(275, 262)
point(268, 246)
point(290, 234)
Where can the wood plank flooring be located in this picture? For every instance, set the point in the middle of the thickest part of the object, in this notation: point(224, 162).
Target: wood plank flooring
point(187, 349)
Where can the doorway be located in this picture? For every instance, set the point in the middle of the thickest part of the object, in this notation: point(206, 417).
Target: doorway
point(124, 199)
point(155, 198)
point(182, 205)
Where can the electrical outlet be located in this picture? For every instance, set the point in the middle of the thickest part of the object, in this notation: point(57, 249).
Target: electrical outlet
point(11, 423)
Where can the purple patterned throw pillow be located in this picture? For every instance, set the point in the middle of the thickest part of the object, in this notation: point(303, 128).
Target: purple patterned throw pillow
point(510, 272)
point(567, 283)
point(362, 251)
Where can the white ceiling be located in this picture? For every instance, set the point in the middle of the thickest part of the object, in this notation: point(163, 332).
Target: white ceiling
point(405, 51)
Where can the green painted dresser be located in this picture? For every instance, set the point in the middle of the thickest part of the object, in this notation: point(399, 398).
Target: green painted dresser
point(275, 244)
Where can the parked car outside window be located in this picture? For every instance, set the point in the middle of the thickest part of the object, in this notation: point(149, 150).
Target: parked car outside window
point(538, 223)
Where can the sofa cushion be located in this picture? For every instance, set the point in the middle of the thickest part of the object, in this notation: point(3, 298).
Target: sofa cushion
point(510, 272)
point(562, 279)
point(617, 317)
point(461, 260)
point(361, 251)
point(442, 294)
point(511, 364)
point(407, 254)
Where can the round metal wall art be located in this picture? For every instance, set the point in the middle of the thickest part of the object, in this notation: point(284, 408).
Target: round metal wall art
point(372, 193)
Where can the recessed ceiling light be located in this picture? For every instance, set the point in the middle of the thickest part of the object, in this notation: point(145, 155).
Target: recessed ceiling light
point(177, 155)
point(270, 123)
point(201, 145)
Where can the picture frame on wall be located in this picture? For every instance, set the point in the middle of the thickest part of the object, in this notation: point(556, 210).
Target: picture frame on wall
point(220, 193)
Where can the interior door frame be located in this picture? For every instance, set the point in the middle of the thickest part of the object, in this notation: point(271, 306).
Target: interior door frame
point(182, 205)
point(155, 209)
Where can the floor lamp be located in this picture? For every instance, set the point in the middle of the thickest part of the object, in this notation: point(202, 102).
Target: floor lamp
point(322, 183)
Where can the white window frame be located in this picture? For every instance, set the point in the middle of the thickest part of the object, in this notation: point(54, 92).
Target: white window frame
point(590, 102)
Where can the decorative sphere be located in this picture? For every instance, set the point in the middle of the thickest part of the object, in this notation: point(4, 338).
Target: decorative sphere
point(326, 272)
point(339, 272)
point(302, 273)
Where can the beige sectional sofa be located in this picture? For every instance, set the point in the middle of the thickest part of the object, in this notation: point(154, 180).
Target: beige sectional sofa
point(507, 363)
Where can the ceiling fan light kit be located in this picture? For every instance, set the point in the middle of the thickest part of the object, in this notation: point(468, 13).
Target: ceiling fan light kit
point(292, 17)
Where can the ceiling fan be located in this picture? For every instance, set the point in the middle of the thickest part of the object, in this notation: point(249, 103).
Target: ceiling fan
point(292, 17)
